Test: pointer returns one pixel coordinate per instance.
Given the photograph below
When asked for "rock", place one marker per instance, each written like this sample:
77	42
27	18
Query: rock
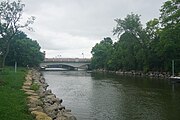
25	87
61	118
42	103
62	115
41	89
57	100
61	107
28	77
42	80
50	99
46	105
69	116
51	113
38	108
40	115
35	101
52	110
41	94
31	93
45	85
31	97
31	105
48	92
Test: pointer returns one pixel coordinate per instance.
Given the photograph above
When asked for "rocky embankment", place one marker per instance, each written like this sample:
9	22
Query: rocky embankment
138	73
42	103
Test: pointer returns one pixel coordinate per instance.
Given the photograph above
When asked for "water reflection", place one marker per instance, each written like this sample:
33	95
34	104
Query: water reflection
111	97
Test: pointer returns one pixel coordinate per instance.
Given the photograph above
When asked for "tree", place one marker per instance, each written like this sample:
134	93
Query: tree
132	25
138	48
10	15
152	29
102	53
169	45
24	51
128	53
170	13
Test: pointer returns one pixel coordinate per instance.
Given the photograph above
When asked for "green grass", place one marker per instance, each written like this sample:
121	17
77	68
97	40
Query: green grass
13	104
34	87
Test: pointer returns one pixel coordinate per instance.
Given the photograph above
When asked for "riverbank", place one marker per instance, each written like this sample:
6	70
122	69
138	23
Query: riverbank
13	104
43	104
151	74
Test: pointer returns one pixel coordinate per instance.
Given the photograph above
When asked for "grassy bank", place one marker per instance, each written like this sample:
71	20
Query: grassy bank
13	100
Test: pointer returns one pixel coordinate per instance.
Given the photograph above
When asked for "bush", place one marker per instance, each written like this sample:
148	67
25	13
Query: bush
34	87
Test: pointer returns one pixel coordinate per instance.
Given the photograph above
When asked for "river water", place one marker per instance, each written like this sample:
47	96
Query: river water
112	97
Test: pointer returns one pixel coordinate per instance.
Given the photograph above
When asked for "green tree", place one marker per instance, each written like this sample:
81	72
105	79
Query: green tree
10	15
169	45
132	26
138	48
153	34
127	53
24	51
170	13
102	53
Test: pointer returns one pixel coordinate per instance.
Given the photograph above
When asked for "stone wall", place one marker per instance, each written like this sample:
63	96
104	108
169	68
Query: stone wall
42	103
153	74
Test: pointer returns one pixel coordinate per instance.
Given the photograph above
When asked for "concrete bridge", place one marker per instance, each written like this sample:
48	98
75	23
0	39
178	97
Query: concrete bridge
65	63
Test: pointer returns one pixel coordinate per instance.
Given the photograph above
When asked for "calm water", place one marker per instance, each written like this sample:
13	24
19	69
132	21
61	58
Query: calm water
112	97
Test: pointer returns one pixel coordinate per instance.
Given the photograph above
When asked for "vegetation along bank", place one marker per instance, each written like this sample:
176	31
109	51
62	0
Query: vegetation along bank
142	48
13	104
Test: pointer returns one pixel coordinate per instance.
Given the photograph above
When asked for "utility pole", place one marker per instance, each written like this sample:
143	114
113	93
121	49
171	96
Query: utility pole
15	67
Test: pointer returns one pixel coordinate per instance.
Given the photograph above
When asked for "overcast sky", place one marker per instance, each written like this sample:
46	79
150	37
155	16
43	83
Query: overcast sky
68	28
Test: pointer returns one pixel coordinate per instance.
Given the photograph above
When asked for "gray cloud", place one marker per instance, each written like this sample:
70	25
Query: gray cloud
74	26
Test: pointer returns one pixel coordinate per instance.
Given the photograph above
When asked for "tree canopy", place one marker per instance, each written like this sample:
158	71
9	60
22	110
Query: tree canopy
24	51
145	49
10	16
15	46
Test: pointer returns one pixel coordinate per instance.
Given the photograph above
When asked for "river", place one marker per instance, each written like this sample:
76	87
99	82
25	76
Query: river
113	97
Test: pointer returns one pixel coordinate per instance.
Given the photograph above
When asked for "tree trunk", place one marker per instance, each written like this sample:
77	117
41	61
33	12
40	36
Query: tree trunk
5	55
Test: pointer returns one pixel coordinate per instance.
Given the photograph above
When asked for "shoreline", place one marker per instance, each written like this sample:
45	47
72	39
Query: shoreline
150	74
42	103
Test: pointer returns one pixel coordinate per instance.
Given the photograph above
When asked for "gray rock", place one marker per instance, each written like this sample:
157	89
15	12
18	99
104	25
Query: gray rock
38	108
48	92
52	110
63	115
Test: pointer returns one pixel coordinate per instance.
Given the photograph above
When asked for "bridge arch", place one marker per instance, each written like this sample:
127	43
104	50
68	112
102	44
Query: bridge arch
68	63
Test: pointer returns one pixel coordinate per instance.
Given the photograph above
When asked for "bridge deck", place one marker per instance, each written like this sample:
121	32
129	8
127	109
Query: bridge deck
67	60
68	63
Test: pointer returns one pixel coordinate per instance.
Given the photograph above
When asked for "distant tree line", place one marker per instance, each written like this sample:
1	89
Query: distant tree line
15	46
142	49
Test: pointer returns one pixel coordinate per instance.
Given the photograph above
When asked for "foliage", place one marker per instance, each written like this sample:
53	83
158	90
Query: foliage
24	51
34	87
130	24
102	53
147	49
10	16
170	13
